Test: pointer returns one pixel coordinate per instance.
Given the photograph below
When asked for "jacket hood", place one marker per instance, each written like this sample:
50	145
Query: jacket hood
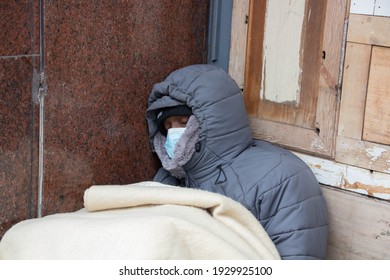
218	105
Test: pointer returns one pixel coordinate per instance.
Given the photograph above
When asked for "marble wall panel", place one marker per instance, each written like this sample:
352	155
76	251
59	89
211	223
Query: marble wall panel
16	137
18	57
18	27
102	59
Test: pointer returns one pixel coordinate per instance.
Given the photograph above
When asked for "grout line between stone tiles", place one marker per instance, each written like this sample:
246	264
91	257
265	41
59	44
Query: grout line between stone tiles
18	56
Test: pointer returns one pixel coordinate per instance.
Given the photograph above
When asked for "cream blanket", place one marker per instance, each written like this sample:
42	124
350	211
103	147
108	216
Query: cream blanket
147	220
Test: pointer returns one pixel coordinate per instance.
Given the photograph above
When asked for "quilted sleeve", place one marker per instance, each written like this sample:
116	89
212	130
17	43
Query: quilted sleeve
294	214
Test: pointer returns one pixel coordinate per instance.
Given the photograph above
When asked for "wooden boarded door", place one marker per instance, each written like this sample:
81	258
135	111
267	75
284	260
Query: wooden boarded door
293	62
364	128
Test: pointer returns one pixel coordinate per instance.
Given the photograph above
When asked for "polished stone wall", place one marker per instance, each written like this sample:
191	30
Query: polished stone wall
18	49
101	60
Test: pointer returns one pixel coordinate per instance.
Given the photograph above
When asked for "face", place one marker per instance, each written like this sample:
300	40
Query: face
175	122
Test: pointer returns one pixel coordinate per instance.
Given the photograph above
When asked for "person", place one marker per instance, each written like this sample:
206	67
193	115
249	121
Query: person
199	128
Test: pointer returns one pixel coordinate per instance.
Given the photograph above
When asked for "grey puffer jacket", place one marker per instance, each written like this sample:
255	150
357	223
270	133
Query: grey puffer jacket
277	187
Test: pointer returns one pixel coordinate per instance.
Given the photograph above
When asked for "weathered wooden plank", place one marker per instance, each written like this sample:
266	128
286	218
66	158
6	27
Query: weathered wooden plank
353	99
364	154
238	40
286	135
370	30
377	113
359	180
333	44
359	227
254	54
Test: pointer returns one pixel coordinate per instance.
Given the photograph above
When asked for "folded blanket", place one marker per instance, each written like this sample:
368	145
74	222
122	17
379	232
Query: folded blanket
146	220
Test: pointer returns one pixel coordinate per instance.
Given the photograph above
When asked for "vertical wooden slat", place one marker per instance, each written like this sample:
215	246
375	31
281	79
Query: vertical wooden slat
333	35
377	113
238	40
356	69
254	55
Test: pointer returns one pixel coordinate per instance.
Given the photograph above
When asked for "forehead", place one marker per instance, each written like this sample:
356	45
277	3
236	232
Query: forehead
176	119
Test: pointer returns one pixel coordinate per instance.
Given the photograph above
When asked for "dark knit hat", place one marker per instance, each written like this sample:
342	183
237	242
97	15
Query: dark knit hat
181	110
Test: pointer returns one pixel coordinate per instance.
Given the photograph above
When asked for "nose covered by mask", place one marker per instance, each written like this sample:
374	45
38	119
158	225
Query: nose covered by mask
173	136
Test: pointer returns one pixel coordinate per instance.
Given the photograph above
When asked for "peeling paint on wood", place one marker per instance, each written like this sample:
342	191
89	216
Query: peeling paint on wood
364	154
317	145
377	191
375	152
281	73
359	180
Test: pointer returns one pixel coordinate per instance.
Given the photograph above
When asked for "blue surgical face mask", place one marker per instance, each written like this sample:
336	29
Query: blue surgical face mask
173	136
